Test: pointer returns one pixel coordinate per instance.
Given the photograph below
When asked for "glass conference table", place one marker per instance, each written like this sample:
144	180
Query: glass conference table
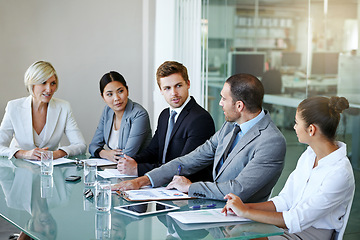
48	207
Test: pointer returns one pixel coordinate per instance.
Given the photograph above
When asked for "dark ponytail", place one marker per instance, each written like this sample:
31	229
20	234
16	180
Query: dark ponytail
324	112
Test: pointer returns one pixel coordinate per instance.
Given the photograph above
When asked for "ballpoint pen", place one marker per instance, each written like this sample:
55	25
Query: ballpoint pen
203	206
179	170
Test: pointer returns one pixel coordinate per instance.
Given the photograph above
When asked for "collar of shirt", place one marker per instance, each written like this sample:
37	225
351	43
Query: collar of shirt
332	158
246	126
178	110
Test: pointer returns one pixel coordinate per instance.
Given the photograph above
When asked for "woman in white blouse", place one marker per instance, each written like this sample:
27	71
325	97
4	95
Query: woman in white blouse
36	123
315	197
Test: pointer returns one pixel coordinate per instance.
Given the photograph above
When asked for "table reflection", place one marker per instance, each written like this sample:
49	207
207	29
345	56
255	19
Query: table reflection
27	190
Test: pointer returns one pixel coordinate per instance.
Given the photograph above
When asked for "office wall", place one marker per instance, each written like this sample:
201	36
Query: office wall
83	39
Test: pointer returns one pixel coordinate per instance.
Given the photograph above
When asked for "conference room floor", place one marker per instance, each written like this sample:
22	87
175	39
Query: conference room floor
294	149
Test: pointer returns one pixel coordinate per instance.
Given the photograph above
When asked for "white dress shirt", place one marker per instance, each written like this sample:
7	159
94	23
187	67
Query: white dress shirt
318	196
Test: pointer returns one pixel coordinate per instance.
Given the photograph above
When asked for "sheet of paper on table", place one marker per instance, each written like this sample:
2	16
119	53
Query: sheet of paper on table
148	194
55	162
100	161
205	216
112	173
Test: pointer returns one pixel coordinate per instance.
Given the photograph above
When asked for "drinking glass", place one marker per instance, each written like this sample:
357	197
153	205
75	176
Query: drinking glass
103	196
90	171
47	163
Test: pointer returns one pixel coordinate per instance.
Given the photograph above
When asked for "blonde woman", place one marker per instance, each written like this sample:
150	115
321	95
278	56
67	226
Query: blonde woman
37	123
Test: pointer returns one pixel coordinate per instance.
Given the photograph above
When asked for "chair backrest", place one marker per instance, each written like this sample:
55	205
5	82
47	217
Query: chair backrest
339	235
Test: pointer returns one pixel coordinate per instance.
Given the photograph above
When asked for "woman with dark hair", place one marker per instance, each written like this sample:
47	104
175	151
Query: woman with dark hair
124	125
316	195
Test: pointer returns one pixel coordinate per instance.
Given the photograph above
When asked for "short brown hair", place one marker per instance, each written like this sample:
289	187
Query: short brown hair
170	67
248	89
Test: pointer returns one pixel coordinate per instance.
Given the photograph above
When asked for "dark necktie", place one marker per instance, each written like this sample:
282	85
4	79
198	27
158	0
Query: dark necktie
228	147
168	133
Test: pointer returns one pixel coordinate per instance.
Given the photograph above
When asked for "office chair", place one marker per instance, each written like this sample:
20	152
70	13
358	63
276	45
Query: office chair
339	235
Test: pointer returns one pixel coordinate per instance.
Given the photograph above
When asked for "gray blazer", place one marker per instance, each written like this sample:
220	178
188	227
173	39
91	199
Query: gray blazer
135	130
250	171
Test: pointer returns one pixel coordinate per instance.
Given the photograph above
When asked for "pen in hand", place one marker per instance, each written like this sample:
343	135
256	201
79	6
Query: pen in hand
179	170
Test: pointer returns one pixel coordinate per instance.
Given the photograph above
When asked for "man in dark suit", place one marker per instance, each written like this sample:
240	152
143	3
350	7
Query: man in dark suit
190	126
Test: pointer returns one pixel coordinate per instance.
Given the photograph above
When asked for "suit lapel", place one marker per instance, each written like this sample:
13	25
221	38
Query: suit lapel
124	122
108	124
247	138
52	117
26	116
182	116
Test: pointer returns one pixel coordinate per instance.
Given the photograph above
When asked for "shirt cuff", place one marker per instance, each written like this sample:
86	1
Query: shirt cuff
152	184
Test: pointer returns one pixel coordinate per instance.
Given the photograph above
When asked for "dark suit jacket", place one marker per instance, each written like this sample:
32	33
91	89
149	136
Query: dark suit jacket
192	128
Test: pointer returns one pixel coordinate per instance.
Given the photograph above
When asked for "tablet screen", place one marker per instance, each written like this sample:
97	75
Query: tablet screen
146	208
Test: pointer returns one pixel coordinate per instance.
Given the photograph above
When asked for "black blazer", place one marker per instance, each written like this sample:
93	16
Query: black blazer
192	128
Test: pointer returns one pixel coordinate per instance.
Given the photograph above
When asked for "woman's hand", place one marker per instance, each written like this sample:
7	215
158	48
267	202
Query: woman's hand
234	205
112	155
34	154
127	165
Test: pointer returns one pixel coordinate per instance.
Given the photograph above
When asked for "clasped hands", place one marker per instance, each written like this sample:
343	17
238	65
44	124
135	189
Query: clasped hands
234	205
35	154
125	164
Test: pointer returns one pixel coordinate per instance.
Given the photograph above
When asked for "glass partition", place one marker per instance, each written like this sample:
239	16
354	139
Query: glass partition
297	49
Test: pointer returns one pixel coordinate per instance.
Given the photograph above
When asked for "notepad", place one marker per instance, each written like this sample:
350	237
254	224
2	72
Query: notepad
205	216
149	194
100	161
113	173
58	161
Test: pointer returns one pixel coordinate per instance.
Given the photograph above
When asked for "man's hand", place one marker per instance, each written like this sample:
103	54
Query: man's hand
127	165
180	183
133	184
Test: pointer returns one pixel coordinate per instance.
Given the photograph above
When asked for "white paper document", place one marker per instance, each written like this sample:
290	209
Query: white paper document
148	194
55	161
100	161
112	173
205	216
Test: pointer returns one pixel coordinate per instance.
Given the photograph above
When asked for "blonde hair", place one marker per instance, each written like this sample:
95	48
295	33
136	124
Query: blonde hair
38	73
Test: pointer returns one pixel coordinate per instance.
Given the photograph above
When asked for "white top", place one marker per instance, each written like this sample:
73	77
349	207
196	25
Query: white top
114	138
38	138
318	196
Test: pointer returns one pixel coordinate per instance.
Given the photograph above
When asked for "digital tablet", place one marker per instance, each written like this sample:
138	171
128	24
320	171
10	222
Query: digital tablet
146	208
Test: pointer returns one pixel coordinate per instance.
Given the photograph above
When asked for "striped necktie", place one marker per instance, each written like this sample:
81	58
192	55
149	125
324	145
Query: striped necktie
168	133
228	148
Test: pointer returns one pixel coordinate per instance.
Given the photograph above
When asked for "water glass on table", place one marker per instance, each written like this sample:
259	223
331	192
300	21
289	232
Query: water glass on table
47	163
90	171
103	196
